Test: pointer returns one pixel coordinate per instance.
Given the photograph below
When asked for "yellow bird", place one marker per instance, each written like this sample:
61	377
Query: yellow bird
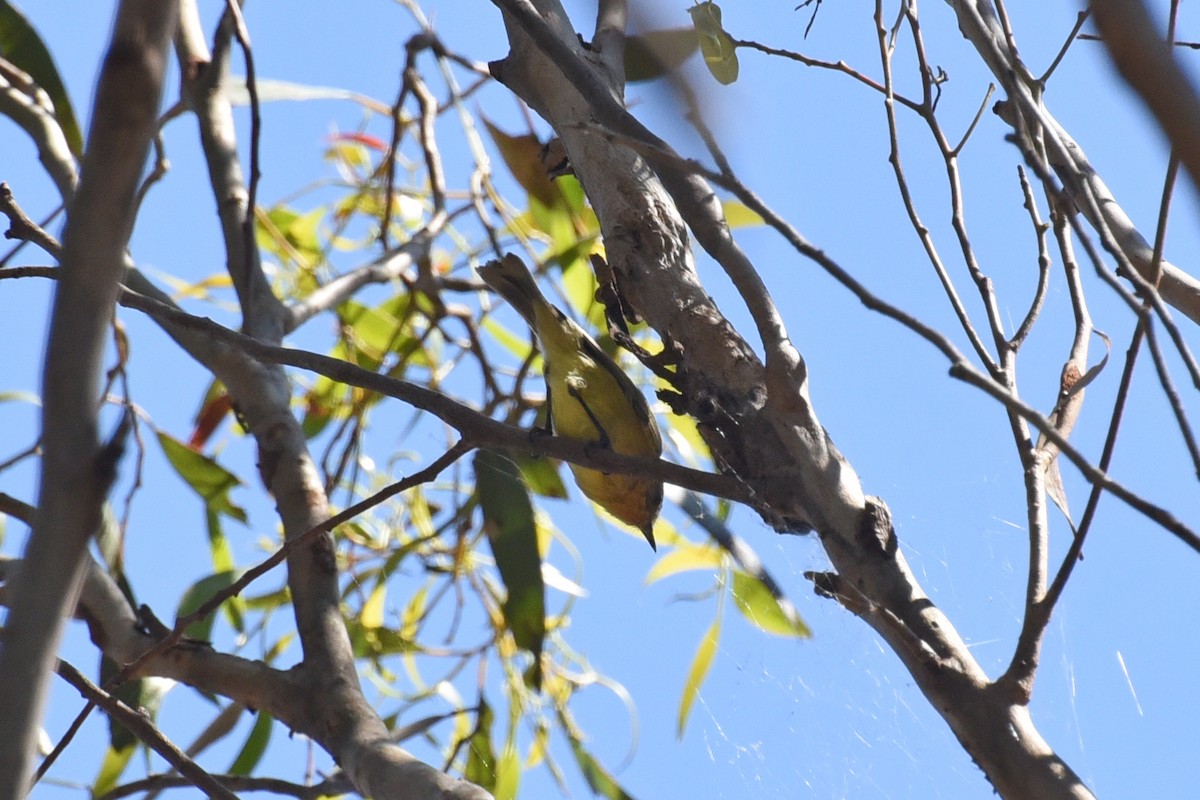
590	398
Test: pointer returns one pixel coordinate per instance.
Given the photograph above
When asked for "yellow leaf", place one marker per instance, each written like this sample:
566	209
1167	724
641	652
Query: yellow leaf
372	610
684	558
699	670
764	610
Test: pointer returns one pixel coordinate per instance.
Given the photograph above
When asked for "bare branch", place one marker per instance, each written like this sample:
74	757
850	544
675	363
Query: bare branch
838	66
150	786
202	73
1039	294
989	360
425	131
694	198
27	104
1094	474
22	227
233	12
387	267
137	723
1043	477
612	21
72	488
1063	155
482	431
1062	52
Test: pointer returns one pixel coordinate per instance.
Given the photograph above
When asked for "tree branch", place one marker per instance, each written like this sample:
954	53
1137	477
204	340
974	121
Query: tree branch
137	723
1063	155
71	487
643	236
27	104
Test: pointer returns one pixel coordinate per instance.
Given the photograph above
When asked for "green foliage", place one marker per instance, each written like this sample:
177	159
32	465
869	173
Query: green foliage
21	46
598	778
717	46
425	601
656	53
255	746
208	479
145	694
294	238
112	766
481	756
512	532
200	593
541	475
213	483
763	609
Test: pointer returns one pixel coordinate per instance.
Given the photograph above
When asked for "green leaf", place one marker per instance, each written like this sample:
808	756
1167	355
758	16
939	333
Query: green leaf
598	778
414	613
508	774
685	435
208	478
111	768
720	52
21	45
764	610
276	650
579	285
481	756
292	237
218	542
567	241
377	642
655	53
326	401
541	475
376	331
256	744
698	672
200	593
514	343
271	91
512	533
140	693
110	540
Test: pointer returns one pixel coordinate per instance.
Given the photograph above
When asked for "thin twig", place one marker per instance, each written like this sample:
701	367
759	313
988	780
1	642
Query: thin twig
981	351
957	149
1094	474
1043	468
137	723
388	266
1043	284
242	33
838	66
459	449
151	785
22	227
1173	399
1062	51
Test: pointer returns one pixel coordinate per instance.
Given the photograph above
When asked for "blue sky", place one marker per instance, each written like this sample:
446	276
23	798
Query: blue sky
834	716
